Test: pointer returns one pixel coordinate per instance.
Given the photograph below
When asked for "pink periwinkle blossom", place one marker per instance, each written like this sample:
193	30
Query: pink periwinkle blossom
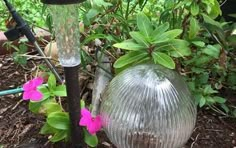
93	124
30	89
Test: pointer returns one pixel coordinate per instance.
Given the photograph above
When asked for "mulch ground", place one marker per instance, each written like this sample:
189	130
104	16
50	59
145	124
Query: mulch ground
19	127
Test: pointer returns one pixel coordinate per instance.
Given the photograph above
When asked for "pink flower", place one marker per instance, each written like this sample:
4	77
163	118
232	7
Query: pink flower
93	124
30	90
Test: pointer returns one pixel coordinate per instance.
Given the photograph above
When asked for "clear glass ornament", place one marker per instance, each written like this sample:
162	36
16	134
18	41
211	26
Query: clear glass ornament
148	106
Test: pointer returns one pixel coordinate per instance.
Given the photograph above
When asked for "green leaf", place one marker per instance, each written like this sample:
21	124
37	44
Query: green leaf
215	10
202	102
47	129
224	107
144	25
219	99
92	37
51	107
163	59
129	45
193	28
199	43
51	82
211	21
59	135
129	58
139	38
90	140
194	8
60	91
160	30
210	100
176	48
44	90
212	51
59	120
208	90
35	106
169	35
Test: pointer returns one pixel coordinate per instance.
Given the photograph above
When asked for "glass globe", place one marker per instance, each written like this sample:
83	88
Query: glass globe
148	106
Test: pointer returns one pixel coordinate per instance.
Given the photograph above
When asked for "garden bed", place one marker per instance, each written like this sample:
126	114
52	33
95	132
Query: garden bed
20	128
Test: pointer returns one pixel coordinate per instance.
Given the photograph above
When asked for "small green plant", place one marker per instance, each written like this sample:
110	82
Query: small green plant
149	43
45	99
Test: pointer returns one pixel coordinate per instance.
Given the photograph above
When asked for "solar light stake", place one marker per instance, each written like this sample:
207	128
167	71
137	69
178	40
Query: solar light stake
66	25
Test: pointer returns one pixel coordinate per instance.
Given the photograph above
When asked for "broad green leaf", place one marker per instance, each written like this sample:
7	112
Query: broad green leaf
59	135
129	45
176	47
193	28
44	90
59	120
160	30
208	90
144	25
47	129
51	107
211	21
194	8
52	82
163	59
60	91
215	10
224	107
35	106
169	35
209	100
219	99
139	38
212	51
90	140
202	102
199	43
129	58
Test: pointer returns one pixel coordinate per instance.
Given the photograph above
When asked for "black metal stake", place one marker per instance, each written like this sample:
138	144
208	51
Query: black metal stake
73	94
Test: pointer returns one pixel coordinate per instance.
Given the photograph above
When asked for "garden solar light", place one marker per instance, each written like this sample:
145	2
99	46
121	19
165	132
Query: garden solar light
22	28
66	24
148	106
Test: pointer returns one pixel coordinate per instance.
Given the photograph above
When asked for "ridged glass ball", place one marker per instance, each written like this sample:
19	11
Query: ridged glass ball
148	106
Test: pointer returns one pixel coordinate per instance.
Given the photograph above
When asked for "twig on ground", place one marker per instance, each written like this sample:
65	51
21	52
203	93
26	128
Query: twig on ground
195	140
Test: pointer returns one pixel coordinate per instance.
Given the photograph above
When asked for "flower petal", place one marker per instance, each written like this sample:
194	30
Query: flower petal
36	96
95	125
37	81
98	123
91	129
26	95
86	113
84	121
27	86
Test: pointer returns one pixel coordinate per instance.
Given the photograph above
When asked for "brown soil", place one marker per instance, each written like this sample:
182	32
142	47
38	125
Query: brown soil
19	127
